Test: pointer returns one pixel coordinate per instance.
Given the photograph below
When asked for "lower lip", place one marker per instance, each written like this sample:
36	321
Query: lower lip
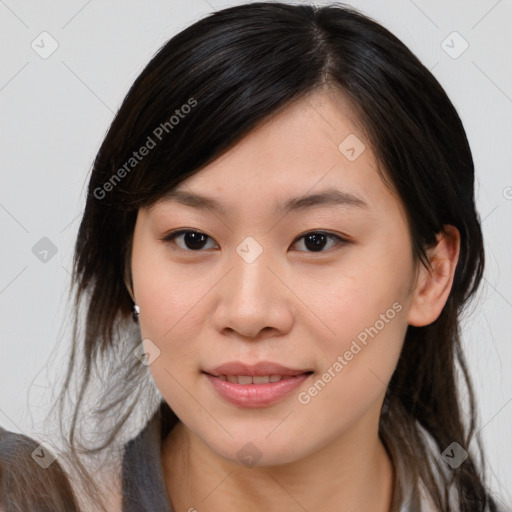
256	395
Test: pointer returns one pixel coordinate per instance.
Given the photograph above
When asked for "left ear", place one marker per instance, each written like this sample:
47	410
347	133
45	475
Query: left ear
433	285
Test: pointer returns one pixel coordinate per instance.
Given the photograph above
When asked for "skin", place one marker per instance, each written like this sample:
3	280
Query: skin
292	305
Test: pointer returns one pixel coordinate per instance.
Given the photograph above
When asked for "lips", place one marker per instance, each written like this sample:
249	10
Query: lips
259	385
256	395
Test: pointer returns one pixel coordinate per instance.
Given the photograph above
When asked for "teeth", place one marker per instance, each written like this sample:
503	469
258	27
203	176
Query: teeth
263	379
248	379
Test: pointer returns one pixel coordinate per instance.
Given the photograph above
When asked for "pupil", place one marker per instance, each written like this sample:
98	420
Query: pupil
317	239
193	240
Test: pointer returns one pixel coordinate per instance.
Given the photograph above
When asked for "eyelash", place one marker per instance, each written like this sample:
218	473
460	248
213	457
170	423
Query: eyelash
170	237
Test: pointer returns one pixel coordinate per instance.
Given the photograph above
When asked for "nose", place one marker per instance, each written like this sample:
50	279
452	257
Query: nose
253	300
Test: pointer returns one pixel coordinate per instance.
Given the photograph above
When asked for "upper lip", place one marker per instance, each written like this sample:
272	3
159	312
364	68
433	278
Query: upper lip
258	369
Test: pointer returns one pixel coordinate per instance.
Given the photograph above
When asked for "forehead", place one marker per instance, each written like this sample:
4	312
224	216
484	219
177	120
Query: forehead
314	146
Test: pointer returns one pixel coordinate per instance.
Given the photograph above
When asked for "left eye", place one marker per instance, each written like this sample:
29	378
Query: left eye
317	240
195	240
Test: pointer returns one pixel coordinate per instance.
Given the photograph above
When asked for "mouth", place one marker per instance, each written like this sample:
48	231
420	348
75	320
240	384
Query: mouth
261	369
245	380
255	386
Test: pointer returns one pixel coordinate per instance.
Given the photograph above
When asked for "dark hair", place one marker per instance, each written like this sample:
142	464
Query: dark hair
204	90
26	485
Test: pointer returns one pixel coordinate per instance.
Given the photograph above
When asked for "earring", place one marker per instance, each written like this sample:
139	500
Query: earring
135	313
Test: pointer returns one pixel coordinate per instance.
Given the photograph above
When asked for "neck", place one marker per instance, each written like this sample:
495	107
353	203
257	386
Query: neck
350	474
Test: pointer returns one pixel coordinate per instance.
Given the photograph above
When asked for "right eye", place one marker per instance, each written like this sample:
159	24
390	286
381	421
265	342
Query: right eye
192	241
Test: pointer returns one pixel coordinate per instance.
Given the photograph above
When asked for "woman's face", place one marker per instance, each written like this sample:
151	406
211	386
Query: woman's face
256	288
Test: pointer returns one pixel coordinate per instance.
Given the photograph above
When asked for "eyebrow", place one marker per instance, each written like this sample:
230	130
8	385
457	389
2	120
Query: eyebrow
329	197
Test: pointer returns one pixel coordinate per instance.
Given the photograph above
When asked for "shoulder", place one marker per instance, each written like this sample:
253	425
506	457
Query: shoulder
31	474
143	484
442	473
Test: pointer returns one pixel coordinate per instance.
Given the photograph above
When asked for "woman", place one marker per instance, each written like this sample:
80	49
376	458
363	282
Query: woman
284	204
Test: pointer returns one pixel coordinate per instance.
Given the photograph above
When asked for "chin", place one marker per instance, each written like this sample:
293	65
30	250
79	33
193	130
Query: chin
258	450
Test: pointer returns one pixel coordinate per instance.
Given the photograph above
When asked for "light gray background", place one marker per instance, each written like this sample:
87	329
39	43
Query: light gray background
55	112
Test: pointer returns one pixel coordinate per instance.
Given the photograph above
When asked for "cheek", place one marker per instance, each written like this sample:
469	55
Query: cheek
369	284
168	297
367	316
358	361
170	316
